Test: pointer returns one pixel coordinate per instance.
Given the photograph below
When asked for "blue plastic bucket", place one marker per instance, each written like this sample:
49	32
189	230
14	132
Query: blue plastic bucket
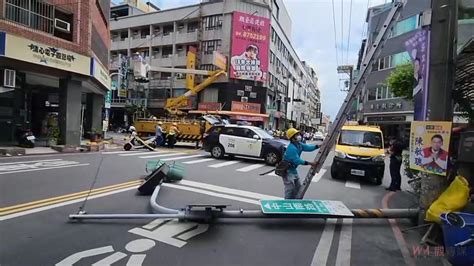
459	255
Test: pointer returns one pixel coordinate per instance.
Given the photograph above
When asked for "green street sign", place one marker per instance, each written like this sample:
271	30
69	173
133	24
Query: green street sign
108	97
319	207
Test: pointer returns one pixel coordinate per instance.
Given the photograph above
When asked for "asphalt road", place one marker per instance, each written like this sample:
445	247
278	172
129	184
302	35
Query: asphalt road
37	193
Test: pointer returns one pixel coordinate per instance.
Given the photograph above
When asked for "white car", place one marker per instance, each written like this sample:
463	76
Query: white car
246	141
318	138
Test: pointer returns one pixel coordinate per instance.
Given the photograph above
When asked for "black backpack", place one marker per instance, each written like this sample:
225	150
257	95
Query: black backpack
282	168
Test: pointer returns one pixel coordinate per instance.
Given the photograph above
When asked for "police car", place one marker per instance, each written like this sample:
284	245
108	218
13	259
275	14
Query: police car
246	141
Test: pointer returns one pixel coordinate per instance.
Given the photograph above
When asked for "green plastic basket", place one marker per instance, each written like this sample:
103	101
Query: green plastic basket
175	173
153	165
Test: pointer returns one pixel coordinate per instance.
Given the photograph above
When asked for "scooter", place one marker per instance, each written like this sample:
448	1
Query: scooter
26	139
135	142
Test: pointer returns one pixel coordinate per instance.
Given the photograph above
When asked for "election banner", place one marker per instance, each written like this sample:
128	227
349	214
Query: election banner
418	48
250	44
429	146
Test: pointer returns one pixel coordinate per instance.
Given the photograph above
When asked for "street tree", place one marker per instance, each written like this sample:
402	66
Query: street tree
401	81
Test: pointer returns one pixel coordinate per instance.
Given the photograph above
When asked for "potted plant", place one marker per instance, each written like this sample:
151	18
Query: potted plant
53	135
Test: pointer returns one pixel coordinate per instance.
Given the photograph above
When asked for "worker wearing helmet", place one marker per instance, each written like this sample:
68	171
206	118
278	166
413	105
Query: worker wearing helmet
159	134
293	156
172	135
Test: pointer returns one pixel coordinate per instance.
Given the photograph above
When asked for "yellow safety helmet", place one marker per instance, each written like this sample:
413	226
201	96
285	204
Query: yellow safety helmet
160	123
291	132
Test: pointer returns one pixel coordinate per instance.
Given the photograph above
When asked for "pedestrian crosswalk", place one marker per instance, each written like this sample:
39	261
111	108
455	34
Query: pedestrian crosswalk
203	160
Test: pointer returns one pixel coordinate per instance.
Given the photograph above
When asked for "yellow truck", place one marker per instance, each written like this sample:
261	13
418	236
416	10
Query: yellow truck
190	129
359	152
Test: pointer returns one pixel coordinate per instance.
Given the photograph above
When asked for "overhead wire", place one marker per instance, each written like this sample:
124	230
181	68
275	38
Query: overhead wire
342	31
349	34
335	31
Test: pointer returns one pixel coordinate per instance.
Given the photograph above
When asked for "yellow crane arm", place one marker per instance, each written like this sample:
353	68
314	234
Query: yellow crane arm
181	101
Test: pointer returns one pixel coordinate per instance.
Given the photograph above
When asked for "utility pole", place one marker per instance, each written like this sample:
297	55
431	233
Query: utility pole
443	43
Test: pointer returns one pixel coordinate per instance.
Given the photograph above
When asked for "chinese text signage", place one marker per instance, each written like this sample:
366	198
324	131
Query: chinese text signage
418	48
429	146
320	207
250	44
209	106
246	107
42	54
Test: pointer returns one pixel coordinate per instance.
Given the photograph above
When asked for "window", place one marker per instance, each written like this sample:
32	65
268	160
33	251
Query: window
273	34
371	96
209	46
215	130
167	30
192	26
32	13
400	58
406	25
360	138
272	57
212	22
380	93
277	9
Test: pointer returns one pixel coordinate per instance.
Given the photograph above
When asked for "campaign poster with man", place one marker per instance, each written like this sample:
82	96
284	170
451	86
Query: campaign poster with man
429	146
250	44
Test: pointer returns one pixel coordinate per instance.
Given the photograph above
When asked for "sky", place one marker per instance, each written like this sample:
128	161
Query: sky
313	39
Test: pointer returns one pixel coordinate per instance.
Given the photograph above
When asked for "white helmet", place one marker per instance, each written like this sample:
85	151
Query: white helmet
132	129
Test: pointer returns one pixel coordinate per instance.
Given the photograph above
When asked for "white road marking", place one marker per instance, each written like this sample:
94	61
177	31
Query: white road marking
23	213
182	157
136	260
200	161
169	232
144	153
162	155
250	167
272	174
324	246
84	254
319	175
110	259
51	160
343	257
223	164
231	191
40	169
352	184
118	152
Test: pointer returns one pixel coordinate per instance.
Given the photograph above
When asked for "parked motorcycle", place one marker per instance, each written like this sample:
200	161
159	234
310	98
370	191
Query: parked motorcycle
26	139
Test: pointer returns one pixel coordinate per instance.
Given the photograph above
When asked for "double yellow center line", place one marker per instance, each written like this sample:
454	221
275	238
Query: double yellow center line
60	199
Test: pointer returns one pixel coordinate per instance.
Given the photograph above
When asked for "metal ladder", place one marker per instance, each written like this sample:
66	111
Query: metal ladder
356	88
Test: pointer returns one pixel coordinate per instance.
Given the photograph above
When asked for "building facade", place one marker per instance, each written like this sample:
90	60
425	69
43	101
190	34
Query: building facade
264	89
54	64
378	105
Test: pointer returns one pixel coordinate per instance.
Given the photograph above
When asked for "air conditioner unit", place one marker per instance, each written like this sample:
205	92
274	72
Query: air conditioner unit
9	77
244	99
62	25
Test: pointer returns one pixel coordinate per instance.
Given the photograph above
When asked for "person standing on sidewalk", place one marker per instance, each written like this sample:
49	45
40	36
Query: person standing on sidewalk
172	135
293	156
395	150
